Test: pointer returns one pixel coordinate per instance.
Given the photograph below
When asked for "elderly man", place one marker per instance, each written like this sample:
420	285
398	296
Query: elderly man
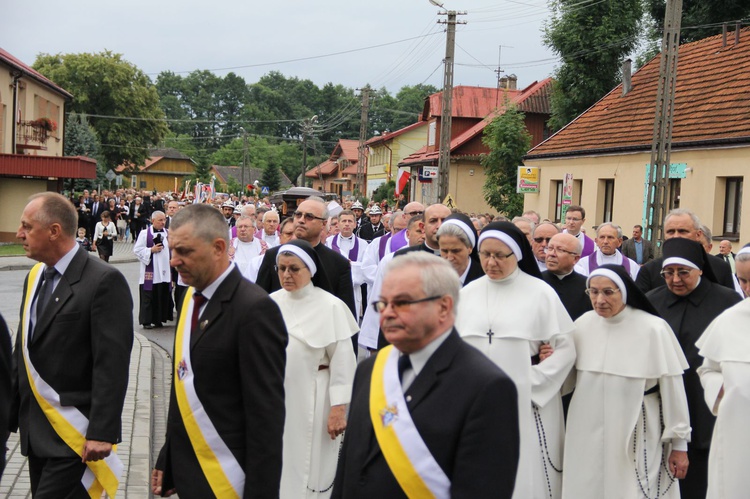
433	219
352	248
155	277
743	270
726	254
139	214
472	448
540	238
172	208
309	219
333	226
638	249
689	302
563	252
383	245
226	410
72	357
269	234
608	240
246	248
682	222
373	228
532	215
286	231
574	219
526	225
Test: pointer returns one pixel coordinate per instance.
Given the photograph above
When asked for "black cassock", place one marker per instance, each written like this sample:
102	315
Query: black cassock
649	276
572	292
688	317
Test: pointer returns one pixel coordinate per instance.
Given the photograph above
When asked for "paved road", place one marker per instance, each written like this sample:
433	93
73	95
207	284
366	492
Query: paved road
147	399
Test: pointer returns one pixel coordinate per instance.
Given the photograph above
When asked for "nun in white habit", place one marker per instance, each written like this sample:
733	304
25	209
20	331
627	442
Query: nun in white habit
320	367
517	320
725	376
628	422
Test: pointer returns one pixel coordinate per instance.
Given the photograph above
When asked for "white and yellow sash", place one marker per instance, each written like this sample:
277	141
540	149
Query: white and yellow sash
68	422
408	457
224	474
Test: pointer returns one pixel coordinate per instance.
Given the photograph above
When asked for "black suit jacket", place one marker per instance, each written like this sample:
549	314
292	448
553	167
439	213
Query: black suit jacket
649	277
466	411
238	362
6	397
338	274
418	247
628	249
368	233
688	317
81	347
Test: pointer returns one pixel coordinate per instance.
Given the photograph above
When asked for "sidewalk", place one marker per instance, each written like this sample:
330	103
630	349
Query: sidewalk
135	449
123	253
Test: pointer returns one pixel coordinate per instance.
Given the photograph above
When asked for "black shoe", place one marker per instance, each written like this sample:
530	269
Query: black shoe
148	326
158	324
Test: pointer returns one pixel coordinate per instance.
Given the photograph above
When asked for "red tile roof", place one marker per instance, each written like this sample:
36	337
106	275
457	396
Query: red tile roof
327	167
712	105
532	99
9	59
17	165
346	148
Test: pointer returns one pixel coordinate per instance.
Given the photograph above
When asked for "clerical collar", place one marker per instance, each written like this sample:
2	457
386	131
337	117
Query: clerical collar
562	276
436	251
341	236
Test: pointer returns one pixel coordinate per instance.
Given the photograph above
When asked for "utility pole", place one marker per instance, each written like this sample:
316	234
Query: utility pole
661	146
244	159
307	130
447	113
361	156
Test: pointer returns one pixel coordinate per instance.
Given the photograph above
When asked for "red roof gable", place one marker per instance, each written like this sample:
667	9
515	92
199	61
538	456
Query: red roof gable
347	149
712	104
390	136
327	167
9	59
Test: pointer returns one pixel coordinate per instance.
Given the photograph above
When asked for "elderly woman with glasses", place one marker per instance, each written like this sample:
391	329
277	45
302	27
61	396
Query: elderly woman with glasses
320	369
517	320
628	424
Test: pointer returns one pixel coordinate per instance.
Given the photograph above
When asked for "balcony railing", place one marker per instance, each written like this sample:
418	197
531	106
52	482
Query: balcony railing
31	135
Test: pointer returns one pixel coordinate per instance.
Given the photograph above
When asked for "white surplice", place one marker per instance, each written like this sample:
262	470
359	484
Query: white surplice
725	346
522	312
618	439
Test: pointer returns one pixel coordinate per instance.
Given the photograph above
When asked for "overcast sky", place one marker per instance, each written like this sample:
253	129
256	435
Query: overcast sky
254	38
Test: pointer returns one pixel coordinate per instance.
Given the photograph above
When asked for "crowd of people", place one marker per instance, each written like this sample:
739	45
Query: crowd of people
350	351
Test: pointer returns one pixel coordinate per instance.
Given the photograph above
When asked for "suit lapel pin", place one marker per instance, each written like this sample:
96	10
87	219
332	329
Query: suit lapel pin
203	325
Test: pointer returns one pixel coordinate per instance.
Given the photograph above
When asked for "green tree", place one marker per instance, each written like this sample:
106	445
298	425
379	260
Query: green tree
702	18
384	191
81	140
592	40
271	177
508	141
105	84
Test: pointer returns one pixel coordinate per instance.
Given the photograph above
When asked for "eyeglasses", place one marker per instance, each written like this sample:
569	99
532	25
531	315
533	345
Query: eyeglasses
669	274
486	255
309	217
569	219
606	292
555	249
415	213
292	270
399	305
540	240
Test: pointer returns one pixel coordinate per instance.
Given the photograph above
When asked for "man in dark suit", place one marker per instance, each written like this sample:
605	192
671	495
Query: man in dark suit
309	219
373	227
5	389
464	409
689	302
97	208
636	246
235	358
433	219
77	326
726	254
563	252
681	222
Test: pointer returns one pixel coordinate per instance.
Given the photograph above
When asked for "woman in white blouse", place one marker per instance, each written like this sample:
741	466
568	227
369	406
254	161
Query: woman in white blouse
104	233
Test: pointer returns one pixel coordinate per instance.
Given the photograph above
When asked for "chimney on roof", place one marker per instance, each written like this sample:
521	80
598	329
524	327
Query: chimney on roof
509	82
724	35
737	28
627	84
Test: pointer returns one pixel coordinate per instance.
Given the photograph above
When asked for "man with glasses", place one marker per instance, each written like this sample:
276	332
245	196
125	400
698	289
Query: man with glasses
683	223
563	252
540	238
472	448
608	240
689	302
309	219
574	218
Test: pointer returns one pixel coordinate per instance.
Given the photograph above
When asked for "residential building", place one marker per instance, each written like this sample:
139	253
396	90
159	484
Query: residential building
31	141
473	108
252	175
607	149
165	170
389	149
337	174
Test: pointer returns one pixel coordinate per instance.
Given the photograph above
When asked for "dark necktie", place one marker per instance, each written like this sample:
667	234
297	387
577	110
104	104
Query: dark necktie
45	292
404	363
726	258
198	301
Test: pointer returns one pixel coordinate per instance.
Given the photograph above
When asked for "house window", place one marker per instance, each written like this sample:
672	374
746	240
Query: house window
732	206
143	184
2	128
431	132
558	189
675	184
609	198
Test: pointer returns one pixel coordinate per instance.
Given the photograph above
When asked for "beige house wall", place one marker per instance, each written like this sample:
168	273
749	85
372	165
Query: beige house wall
14	193
34	101
465	181
382	163
702	190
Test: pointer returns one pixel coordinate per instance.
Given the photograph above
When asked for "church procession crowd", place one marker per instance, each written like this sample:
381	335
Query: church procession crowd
352	351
